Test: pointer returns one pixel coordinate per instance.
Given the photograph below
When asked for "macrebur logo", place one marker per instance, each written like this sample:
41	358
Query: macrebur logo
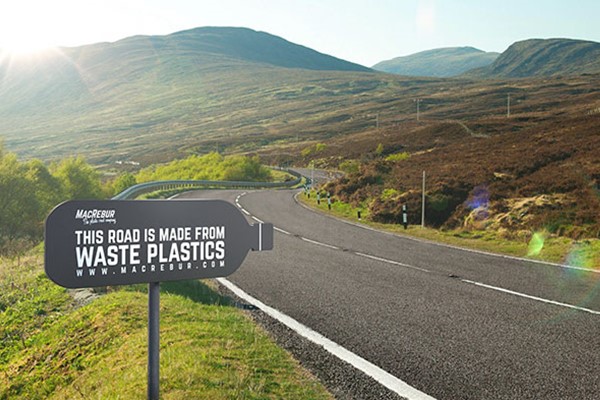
96	216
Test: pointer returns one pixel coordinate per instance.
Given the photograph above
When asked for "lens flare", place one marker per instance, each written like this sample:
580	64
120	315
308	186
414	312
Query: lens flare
480	200
582	256
536	244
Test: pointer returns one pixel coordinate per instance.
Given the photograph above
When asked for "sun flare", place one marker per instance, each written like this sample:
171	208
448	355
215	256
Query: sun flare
24	46
22	31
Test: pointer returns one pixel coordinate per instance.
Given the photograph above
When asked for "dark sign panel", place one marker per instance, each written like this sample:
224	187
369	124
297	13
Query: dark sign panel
112	242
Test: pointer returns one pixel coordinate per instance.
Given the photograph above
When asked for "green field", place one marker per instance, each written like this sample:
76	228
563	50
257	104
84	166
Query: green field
57	348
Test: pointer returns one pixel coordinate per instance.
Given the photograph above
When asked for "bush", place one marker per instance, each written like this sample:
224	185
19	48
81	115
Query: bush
350	166
29	191
398	157
212	166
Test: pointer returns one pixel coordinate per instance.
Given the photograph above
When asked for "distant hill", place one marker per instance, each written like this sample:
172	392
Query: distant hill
119	100
544	57
68	74
445	62
72	72
249	45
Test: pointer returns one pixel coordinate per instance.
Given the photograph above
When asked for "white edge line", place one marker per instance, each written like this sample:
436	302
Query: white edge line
487	253
281	230
527	296
319	243
386	379
244	211
257	220
385	260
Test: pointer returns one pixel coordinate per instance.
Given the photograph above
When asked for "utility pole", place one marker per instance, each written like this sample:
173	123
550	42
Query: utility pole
423	203
508	106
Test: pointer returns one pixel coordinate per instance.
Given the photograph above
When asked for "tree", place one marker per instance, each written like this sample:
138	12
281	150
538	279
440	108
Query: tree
19	207
123	182
48	189
78	178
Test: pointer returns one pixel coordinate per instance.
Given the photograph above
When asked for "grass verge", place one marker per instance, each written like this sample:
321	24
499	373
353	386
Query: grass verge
540	246
209	349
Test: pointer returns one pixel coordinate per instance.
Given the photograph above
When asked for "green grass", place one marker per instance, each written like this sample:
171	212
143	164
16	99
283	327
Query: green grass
209	349
549	248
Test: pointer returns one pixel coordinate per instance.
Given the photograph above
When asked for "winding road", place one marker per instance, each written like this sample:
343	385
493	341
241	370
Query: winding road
449	323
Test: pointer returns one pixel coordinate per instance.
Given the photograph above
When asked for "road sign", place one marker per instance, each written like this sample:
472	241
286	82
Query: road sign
112	242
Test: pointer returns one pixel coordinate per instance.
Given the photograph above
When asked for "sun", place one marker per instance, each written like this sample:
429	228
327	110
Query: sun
24	46
23	31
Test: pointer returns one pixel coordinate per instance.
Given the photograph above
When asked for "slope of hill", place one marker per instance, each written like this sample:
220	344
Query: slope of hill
443	62
111	100
544	57
535	170
152	99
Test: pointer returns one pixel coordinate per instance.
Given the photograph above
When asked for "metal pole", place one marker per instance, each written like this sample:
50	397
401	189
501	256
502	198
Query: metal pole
153	339
423	204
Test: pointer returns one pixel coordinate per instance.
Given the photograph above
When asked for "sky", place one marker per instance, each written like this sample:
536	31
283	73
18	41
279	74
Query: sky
365	32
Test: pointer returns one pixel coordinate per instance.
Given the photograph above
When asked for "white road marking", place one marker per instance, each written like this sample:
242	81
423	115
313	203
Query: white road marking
486	253
257	220
527	296
507	291
319	243
388	380
281	230
385	260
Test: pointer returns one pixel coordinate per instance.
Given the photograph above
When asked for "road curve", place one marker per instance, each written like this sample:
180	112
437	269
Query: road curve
451	323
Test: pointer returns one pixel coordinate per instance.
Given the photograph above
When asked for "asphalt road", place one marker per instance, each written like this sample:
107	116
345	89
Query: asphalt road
421	312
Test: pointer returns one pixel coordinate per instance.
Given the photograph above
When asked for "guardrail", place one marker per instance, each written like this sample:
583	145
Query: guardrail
146	187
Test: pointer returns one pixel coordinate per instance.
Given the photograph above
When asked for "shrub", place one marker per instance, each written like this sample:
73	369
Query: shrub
398	157
350	166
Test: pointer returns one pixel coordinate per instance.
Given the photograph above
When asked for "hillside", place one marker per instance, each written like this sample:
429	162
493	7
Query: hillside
544	57
443	62
151	94
153	99
536	170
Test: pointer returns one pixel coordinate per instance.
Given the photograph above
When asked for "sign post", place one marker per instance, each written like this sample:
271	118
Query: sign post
153	340
123	242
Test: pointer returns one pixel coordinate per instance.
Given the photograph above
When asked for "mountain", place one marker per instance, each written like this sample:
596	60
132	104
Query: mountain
151	99
122	99
249	45
74	71
544	57
443	62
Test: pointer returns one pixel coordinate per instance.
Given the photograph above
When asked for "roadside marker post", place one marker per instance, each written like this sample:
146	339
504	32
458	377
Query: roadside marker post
423	203
404	216
124	242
